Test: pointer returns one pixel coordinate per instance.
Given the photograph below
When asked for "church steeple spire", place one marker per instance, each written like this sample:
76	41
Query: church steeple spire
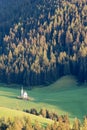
22	91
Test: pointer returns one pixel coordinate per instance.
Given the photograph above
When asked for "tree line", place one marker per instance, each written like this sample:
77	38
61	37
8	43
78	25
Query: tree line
25	124
41	48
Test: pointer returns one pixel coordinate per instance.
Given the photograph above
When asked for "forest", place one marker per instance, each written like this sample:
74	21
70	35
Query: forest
40	41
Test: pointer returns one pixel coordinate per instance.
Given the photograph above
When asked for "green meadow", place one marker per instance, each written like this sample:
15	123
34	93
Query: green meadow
64	96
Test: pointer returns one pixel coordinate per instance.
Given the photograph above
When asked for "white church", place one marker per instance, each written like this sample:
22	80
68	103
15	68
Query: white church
24	94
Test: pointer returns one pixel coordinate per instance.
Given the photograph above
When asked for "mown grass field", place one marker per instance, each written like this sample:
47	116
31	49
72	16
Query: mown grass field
63	97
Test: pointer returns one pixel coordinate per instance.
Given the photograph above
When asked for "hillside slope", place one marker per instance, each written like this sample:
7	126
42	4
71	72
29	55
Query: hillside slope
71	99
9	113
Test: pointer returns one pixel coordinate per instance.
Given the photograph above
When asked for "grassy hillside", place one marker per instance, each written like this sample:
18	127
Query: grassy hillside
9	113
63	97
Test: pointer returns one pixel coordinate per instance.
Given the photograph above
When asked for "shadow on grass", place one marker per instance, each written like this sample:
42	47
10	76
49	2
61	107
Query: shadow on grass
73	103
8	96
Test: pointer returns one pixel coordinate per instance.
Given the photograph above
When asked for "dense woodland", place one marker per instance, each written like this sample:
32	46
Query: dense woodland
42	40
